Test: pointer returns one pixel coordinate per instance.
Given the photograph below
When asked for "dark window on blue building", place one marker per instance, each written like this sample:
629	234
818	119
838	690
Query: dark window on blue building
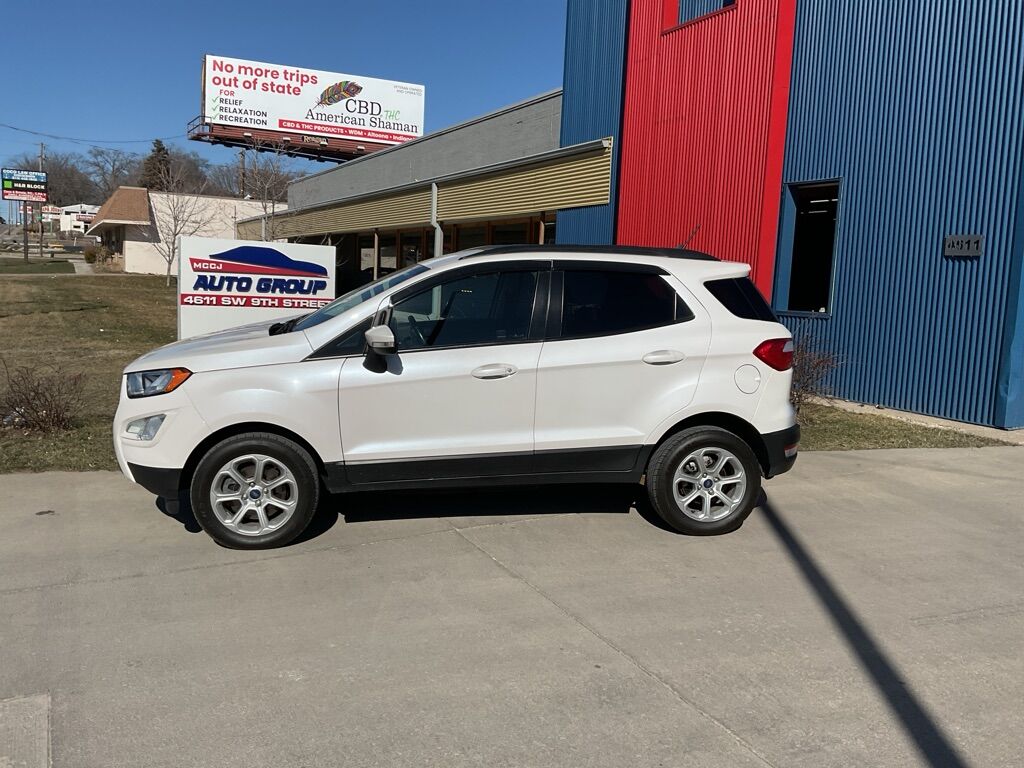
694	9
814	209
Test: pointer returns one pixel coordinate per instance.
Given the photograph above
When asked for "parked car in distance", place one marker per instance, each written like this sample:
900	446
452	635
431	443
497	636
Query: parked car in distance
499	365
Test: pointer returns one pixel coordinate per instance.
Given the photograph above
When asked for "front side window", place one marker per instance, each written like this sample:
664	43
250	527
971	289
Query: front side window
357	296
491	308
601	303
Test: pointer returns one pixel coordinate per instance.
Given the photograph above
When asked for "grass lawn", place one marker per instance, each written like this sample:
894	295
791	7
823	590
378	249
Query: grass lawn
97	325
18	266
824	428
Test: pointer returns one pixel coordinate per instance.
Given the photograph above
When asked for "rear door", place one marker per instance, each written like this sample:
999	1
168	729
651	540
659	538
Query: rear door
625	347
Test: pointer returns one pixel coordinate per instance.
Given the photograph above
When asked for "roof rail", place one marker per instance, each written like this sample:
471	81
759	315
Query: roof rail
622	250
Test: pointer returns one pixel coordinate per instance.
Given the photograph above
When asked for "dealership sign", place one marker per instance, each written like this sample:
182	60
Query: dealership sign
227	283
28	186
257	96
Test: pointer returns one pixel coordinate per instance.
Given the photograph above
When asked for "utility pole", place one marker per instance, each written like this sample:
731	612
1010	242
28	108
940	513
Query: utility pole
42	148
241	173
24	226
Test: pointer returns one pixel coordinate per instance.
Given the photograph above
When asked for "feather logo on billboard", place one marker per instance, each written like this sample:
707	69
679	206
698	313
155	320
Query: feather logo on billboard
346	89
226	272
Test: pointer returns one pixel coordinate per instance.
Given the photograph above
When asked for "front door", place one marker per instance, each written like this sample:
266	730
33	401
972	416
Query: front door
457	399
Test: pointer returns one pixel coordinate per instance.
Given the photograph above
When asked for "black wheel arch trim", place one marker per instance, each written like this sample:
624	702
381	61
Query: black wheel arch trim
768	448
242	428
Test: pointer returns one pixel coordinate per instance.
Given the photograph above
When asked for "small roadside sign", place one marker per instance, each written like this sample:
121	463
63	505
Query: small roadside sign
26	186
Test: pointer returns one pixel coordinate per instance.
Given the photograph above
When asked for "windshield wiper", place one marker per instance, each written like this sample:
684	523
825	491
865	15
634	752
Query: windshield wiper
286	326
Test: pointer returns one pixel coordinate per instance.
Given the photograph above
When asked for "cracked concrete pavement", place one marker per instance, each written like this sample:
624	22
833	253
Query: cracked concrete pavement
870	613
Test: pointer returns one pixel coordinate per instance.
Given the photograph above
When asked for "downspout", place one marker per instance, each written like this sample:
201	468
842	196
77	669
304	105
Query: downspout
438	231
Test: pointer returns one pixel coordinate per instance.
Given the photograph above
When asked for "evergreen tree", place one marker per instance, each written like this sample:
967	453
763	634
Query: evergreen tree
155	167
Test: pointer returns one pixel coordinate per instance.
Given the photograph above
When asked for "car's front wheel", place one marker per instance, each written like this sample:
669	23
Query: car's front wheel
703	480
255	491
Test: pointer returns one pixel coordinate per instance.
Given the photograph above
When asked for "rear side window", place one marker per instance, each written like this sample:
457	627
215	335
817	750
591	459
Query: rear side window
601	303
741	297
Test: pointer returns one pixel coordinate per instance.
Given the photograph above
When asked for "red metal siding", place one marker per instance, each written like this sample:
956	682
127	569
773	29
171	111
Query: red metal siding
704	129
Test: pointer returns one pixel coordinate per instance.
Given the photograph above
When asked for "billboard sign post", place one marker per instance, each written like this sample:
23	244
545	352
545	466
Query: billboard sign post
226	283
256	96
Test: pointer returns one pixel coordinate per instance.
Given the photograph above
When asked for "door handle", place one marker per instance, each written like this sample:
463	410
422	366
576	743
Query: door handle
494	371
664	357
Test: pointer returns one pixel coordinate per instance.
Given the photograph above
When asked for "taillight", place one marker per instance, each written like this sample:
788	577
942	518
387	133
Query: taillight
778	353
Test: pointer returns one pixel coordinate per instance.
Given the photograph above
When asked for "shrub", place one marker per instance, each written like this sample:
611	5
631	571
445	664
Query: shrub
812	365
97	254
40	398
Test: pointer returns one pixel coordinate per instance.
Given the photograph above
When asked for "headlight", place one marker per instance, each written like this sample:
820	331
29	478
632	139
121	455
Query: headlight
148	383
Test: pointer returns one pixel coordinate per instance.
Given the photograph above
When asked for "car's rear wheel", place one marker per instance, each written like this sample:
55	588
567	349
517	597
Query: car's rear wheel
255	491
703	481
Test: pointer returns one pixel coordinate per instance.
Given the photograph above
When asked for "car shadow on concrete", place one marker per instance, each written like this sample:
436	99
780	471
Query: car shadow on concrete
488	502
179	510
931	742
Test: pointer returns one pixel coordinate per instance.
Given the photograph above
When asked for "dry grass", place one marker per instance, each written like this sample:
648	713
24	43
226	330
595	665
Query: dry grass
824	428
18	266
91	325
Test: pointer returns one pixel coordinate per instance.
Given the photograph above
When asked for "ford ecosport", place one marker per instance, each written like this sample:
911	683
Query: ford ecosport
499	365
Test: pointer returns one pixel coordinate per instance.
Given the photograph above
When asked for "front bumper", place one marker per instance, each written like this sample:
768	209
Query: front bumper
157	464
157	480
781	450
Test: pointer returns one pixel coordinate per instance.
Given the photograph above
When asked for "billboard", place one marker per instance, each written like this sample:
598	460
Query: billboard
272	97
227	283
29	186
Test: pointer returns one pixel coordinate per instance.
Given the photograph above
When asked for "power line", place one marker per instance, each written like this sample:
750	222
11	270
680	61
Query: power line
89	142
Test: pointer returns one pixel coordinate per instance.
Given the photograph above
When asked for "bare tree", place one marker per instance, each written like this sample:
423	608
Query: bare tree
111	168
68	182
267	175
179	211
224	180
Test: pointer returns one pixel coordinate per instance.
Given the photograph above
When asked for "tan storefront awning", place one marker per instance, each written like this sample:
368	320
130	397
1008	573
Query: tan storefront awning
571	182
569	177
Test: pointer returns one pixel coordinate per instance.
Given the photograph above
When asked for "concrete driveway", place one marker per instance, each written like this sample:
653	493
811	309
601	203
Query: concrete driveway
871	613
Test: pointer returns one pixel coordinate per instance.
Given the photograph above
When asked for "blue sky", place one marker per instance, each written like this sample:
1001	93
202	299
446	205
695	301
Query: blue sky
112	69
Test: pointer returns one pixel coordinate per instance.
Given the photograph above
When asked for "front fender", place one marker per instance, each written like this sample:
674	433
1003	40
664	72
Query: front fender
299	397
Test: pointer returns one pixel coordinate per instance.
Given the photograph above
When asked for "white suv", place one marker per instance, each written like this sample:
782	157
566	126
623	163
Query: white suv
501	365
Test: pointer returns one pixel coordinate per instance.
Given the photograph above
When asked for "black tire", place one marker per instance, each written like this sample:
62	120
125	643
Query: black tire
291	456
667	459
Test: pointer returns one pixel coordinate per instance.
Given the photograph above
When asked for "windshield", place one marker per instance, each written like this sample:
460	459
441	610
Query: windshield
356	297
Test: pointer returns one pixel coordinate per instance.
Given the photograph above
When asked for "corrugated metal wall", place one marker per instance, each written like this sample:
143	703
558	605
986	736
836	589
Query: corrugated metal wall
577	180
594	79
703	130
917	108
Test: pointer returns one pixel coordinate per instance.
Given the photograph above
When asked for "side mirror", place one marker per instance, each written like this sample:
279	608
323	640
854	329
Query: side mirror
381	340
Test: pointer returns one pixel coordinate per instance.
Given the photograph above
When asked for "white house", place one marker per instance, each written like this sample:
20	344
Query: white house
138	224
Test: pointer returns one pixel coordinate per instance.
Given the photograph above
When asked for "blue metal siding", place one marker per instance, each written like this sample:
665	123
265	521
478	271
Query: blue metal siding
917	108
1010	398
592	91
